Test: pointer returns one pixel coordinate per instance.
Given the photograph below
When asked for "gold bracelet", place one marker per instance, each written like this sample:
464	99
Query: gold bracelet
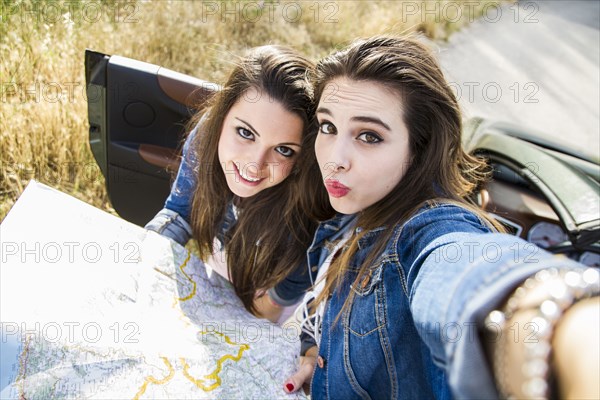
548	294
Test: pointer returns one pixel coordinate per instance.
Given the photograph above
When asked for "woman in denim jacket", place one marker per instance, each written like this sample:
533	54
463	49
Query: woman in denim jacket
409	272
237	186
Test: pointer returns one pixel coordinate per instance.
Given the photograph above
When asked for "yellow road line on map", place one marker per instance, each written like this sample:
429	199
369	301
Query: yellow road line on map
215	374
150	379
181	267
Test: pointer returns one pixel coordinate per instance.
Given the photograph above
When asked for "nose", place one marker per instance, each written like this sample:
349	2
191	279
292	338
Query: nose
259	161
339	159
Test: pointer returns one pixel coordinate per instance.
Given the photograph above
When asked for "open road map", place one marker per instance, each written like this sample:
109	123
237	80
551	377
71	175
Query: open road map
92	306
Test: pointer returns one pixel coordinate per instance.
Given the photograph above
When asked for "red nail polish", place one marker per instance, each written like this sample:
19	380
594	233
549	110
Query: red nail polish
289	387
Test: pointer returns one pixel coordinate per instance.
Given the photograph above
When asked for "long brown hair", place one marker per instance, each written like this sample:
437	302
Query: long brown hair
439	171
272	231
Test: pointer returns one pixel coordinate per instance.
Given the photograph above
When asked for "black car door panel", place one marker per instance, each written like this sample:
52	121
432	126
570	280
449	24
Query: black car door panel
137	115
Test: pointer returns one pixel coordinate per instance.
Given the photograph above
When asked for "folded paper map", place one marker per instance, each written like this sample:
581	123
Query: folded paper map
92	306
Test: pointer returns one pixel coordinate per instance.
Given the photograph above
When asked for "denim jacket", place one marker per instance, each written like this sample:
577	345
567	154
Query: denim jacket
412	329
173	221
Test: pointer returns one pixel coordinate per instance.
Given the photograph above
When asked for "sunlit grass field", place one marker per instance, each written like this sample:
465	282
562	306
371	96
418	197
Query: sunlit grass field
43	109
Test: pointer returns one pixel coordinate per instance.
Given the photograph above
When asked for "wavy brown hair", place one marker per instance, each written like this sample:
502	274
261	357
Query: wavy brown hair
272	231
439	171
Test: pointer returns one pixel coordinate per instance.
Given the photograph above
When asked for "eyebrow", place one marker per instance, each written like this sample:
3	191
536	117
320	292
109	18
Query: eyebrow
289	144
256	133
359	118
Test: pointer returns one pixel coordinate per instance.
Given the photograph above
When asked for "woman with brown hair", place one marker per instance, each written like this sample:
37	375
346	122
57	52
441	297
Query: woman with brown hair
241	164
411	275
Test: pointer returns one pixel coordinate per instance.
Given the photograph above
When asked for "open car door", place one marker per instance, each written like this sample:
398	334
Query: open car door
137	115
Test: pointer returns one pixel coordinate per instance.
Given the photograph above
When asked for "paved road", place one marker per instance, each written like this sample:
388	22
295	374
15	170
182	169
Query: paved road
535	64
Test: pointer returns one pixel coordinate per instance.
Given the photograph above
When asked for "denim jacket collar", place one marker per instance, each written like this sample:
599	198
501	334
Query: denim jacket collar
332	227
331	230
369	237
345	221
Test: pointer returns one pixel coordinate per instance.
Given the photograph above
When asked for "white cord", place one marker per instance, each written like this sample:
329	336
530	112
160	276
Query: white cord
311	323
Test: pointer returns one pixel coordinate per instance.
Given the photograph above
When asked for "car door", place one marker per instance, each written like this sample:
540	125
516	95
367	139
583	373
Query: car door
137	121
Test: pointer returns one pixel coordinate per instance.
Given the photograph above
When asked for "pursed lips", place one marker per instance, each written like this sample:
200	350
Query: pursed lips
335	188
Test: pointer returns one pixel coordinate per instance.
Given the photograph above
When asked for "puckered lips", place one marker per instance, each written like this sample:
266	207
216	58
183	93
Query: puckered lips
335	188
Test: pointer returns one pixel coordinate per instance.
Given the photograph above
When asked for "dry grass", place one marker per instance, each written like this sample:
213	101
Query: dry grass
43	114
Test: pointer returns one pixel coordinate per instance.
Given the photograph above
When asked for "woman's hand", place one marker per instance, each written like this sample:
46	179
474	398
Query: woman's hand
302	377
575	348
539	337
577	351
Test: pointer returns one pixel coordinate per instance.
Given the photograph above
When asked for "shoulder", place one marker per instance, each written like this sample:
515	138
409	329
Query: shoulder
447	217
432	221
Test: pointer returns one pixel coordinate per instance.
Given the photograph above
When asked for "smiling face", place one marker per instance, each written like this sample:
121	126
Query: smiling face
259	143
363	144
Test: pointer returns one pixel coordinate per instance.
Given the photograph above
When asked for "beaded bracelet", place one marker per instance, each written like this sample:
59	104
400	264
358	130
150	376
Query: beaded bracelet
548	293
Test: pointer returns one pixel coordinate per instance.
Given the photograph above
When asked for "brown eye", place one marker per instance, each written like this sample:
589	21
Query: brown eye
369	137
327	128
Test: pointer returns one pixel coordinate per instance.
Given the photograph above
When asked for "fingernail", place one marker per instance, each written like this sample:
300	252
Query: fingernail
289	387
